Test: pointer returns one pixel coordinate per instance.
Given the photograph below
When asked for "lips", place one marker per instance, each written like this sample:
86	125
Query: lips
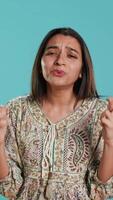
58	73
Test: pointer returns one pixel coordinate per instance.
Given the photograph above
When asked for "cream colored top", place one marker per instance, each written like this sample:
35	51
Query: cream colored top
50	160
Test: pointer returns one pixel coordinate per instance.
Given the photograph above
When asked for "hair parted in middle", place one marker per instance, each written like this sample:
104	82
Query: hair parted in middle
83	88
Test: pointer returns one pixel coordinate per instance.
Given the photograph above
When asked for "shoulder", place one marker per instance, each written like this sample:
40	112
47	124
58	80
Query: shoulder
98	107
97	104
23	105
101	105
18	103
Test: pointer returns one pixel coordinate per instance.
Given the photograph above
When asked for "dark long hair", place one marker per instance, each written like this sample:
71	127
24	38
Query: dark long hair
83	88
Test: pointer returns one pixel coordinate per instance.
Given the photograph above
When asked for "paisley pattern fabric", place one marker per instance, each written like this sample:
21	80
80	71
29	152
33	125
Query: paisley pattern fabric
52	161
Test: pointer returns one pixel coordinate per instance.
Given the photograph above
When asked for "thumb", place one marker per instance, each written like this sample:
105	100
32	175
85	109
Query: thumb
110	104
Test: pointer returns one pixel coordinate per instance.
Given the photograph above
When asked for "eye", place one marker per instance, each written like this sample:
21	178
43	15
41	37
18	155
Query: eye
72	56
50	53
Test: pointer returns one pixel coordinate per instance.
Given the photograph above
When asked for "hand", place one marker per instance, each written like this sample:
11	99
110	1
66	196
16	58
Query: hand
3	123
107	123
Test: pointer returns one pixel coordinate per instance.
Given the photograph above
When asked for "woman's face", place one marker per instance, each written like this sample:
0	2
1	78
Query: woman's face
62	61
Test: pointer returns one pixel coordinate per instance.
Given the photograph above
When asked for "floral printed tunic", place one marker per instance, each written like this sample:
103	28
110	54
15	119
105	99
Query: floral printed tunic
54	161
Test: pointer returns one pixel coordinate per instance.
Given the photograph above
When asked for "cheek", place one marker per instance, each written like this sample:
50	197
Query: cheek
42	64
45	69
76	69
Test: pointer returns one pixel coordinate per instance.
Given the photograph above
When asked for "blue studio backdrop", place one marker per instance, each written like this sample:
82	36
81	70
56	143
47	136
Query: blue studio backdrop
24	23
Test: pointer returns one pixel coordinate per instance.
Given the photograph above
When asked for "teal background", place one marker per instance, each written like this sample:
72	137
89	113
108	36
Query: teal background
24	23
2	198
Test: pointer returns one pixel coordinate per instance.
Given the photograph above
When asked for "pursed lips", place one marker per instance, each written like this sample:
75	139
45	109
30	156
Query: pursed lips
58	72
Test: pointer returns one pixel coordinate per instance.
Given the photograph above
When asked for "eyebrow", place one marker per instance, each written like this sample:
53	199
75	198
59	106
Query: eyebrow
51	47
70	48
67	47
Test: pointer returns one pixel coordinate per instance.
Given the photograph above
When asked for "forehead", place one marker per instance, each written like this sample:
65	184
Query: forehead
63	40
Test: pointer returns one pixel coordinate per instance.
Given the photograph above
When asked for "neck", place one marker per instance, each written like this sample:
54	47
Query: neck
60	97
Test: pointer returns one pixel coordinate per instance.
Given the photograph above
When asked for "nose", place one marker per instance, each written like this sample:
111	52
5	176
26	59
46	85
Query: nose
60	59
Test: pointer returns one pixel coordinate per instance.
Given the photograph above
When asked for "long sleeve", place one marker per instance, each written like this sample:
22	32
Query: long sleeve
97	189
10	185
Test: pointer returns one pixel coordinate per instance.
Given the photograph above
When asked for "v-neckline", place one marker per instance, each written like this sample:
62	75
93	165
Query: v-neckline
77	113
63	118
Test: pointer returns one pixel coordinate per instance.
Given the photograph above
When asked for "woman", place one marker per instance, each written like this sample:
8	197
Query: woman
59	140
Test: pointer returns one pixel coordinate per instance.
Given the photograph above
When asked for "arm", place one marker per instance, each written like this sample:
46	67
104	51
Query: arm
4	169
100	180
11	161
3	129
105	171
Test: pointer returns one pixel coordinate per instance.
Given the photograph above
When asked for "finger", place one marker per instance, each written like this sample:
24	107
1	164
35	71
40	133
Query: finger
3	123
108	114
106	122
3	111
3	108
110	104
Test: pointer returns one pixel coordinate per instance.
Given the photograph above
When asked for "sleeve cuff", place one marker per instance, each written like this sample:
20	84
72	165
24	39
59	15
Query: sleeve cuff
109	181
